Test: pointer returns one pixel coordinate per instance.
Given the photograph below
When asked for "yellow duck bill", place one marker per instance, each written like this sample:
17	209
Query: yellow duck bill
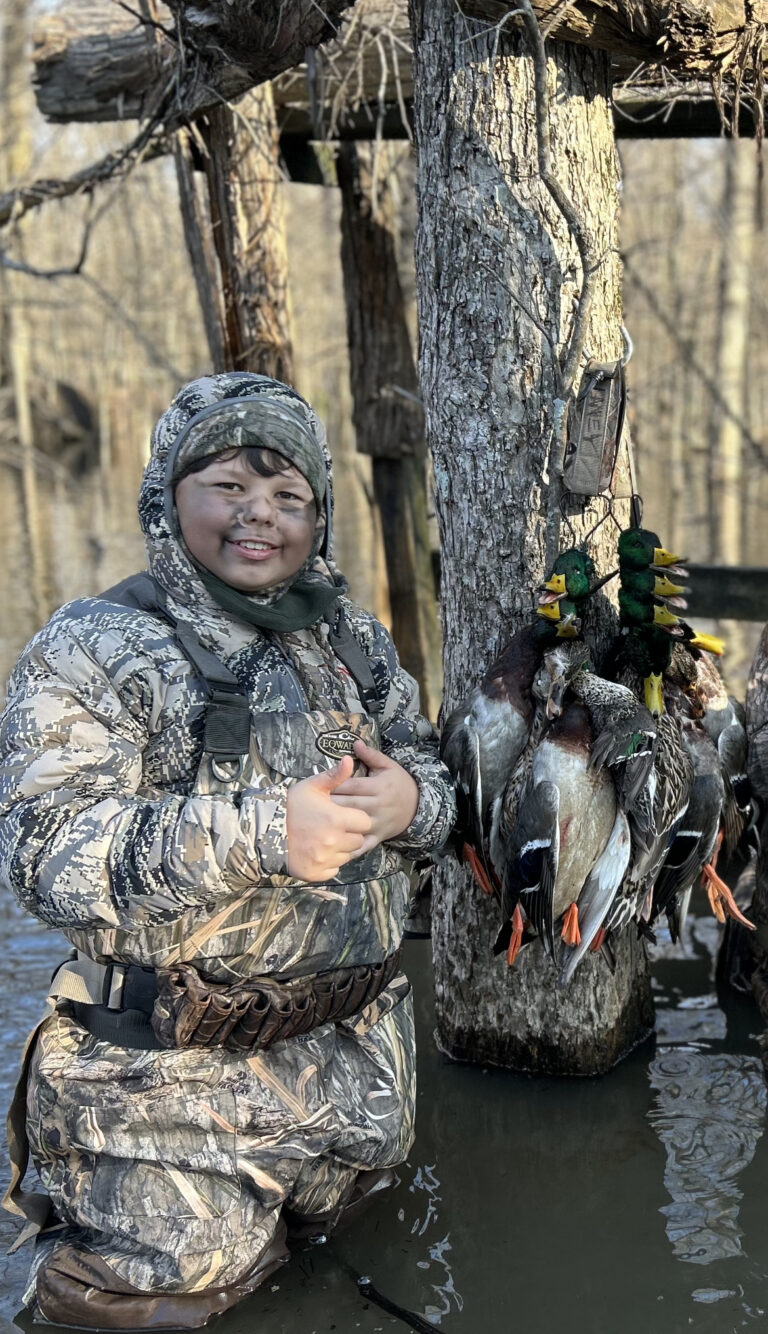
653	695
663	558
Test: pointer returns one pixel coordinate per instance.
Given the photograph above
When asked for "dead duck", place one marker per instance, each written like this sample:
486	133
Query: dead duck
624	732
692	855
567	819
723	718
484	737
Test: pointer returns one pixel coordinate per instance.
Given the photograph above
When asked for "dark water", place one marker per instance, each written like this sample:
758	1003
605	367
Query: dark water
632	1203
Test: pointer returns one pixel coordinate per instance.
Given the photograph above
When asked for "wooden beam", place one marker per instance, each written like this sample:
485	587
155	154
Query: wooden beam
651	113
690	37
96	61
728	592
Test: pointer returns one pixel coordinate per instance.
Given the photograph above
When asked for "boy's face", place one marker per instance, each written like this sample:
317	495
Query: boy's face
253	532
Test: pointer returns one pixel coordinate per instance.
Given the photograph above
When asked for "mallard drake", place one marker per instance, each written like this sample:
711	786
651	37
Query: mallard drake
567	818
572	576
484	737
640	549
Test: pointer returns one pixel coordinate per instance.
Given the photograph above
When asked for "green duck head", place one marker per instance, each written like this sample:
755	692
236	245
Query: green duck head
648	584
637	610
562	616
649	652
571	576
639	548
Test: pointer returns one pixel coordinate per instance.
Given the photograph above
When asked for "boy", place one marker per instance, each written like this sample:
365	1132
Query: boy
209	780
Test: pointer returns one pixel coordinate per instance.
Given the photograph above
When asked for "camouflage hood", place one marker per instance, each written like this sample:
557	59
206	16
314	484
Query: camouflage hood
211	415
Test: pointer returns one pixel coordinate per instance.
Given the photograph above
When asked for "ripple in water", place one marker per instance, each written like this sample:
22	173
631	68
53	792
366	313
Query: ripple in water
709	1115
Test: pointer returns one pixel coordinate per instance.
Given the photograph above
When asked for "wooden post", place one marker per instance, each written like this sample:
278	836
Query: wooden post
238	251
387	412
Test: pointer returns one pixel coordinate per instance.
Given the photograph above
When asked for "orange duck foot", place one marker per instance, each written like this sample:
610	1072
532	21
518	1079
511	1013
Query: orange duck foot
516	939
478	870
597	943
721	900
570	932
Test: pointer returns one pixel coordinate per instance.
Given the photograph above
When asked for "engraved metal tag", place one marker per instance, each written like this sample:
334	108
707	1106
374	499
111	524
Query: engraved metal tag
338	743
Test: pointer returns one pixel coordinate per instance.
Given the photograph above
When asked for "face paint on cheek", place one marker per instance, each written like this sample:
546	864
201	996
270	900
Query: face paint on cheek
301	513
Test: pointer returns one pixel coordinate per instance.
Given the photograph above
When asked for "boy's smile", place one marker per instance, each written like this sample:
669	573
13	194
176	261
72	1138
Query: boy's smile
250	531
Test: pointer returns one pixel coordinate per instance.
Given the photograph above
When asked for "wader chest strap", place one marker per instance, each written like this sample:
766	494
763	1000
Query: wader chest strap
227	716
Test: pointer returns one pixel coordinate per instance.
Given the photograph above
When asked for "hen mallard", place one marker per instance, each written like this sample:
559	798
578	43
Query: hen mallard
624	732
693	852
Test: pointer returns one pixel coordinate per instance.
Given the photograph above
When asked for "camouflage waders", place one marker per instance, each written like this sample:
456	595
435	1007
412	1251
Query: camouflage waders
172	1173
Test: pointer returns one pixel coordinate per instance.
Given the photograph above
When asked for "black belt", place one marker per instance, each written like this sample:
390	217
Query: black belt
123	1019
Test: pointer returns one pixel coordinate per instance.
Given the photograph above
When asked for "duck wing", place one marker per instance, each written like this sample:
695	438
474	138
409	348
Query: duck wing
598	894
625	741
694	834
627	744
532	858
460	751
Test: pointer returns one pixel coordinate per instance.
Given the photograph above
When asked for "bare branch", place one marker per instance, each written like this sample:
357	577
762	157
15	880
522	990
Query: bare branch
758	448
148	145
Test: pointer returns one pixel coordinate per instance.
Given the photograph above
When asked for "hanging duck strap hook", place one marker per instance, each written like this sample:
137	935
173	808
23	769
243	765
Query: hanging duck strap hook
565	500
635	499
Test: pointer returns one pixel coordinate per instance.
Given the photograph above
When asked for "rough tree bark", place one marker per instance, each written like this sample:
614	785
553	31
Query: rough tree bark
243	287
95	61
498	276
388	418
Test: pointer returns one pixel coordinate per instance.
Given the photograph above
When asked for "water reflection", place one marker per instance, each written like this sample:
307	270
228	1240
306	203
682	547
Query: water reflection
709	1114
439	1252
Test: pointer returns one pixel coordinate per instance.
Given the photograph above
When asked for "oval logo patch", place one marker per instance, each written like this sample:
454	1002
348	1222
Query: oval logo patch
337	743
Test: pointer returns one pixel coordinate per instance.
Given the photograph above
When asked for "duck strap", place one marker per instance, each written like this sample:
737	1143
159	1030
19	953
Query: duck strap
594	429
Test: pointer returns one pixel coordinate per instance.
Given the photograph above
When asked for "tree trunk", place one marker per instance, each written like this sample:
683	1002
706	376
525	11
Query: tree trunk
243	286
725	517
388	418
198	236
498	275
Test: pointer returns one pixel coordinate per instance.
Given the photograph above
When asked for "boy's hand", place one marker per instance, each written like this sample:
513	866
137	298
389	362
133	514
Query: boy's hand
387	794
322	836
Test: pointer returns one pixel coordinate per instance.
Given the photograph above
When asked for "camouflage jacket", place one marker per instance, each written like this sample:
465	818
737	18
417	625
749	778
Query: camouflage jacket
115	827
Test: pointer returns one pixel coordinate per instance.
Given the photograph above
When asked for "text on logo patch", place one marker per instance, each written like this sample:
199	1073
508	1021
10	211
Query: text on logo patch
338	743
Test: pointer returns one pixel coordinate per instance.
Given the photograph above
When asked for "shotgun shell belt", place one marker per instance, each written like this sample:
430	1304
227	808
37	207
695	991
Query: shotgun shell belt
177	1007
249	1016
